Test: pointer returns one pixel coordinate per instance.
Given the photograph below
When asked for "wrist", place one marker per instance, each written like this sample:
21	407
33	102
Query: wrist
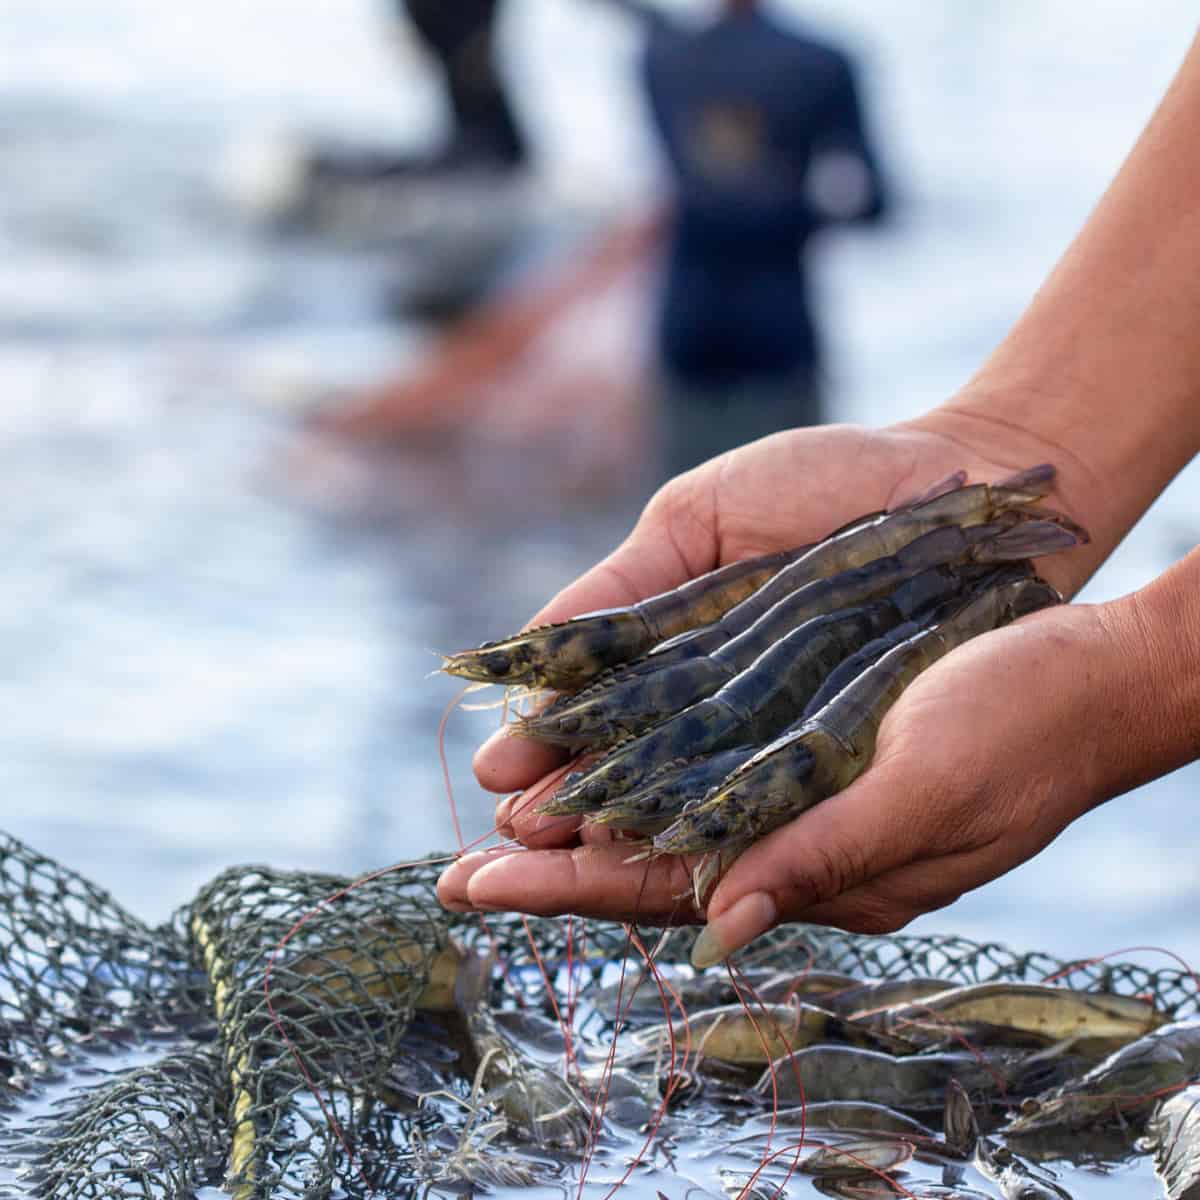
1093	699
1158	627
979	438
1117	439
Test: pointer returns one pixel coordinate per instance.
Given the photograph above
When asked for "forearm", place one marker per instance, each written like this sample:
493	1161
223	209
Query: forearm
1105	363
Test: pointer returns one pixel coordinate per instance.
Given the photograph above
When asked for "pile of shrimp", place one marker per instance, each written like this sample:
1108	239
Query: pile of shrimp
714	713
740	1079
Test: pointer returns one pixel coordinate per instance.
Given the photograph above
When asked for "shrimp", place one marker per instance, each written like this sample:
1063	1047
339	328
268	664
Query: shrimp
670	679
1122	1087
850	1116
862	999
652	806
388	965
640	999
1015	1180
569	654
542	1105
1173	1134
851	1159
735	1034
1054	1013
831	749
916	1083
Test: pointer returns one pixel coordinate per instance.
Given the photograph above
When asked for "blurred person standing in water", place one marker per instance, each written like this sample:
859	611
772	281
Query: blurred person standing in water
484	134
461	35
765	140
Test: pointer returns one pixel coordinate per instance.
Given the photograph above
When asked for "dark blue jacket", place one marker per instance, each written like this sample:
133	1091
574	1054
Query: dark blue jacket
746	110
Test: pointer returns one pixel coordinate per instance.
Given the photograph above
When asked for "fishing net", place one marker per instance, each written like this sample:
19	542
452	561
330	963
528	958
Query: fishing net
269	1039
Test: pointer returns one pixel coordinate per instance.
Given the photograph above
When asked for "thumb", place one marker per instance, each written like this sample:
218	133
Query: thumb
673	541
835	846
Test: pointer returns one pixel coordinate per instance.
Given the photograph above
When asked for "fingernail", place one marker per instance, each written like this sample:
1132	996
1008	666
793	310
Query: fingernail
475	859
455	907
544	821
504	811
737	927
482	896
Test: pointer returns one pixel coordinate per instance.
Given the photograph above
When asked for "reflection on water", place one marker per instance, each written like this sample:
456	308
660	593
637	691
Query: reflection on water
206	661
204	671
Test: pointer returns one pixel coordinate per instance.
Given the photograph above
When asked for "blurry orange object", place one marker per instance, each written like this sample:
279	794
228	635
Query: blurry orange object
557	365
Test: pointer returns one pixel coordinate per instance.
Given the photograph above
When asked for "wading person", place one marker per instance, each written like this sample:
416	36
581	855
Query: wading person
461	36
764	136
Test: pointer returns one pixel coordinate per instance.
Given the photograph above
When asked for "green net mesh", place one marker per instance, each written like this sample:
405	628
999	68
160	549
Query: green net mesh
156	1062
157	1130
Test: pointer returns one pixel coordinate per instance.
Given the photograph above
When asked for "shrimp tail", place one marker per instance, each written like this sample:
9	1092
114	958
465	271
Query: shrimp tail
943	486
1032	483
960	1130
1038	513
1030	539
472	981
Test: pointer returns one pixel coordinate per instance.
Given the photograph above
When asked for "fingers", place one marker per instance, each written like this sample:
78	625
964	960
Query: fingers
507	762
538	830
674	540
894	899
520	817
837	845
828	851
592	880
646	563
746	918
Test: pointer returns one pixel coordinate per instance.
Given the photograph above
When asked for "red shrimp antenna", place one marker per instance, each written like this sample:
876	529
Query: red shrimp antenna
734	973
1081	963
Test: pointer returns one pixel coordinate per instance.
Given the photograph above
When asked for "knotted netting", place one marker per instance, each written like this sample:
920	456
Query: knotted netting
272	1038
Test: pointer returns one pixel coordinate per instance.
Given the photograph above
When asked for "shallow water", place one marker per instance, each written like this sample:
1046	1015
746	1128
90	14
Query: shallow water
713	1138
207	663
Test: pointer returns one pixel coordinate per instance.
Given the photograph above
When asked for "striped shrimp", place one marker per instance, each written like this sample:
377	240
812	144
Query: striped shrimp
796	657
833	747
568	654
659	798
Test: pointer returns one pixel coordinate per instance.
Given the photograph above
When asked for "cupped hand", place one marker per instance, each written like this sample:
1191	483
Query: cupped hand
976	767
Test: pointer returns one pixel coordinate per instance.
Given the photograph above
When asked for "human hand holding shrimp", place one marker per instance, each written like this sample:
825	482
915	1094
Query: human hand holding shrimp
980	764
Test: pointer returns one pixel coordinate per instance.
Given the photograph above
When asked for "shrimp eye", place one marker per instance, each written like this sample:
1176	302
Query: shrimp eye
498	663
716	829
